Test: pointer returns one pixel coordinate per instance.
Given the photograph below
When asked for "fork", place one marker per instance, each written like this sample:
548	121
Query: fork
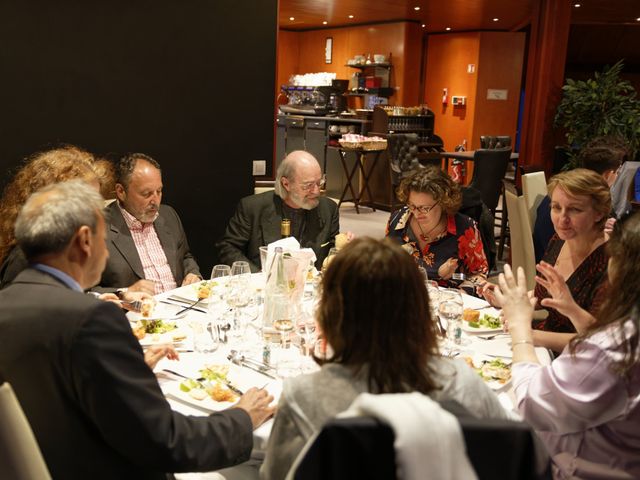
136	305
491	337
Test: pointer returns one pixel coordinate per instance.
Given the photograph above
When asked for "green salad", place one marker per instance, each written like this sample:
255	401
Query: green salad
487	321
157	326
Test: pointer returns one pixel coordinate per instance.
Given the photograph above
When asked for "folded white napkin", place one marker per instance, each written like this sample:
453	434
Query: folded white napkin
428	439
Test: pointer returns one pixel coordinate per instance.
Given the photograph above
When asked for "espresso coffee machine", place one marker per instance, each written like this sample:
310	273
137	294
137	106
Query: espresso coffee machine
322	100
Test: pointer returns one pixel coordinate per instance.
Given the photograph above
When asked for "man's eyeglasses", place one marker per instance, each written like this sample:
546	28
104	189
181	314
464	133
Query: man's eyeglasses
423	209
306	186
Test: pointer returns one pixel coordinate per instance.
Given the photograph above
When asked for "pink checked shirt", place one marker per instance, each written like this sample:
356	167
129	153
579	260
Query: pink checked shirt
154	261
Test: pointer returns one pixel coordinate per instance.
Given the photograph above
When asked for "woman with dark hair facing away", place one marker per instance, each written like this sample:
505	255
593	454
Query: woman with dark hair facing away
431	229
585	406
374	315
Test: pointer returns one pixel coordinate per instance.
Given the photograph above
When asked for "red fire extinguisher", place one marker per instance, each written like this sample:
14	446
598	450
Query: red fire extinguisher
458	167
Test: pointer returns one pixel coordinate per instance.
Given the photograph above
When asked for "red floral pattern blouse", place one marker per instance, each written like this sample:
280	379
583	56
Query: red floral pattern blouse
462	241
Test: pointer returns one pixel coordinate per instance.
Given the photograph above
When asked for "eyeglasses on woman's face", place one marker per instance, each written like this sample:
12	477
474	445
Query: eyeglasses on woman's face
423	209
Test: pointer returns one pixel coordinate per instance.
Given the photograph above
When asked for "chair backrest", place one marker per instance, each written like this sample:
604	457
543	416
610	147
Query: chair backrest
363	447
403	154
534	189
21	458
521	239
489	167
491	141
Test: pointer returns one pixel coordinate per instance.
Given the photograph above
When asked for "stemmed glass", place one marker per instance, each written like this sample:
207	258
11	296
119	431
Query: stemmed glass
450	309
238	295
220	276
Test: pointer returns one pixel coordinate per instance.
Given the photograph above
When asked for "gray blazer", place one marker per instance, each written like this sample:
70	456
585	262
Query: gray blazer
257	223
124	267
95	407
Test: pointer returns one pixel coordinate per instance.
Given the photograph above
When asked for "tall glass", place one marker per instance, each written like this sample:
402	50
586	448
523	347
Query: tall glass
450	309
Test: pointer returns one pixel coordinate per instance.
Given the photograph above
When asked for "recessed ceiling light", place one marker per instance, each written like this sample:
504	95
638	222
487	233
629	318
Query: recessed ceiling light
292	18
350	16
423	25
448	28
496	19
325	22
416	8
577	5
638	19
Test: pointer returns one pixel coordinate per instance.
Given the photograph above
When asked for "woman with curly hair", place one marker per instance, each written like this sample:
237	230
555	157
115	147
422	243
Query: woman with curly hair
585	406
430	228
39	170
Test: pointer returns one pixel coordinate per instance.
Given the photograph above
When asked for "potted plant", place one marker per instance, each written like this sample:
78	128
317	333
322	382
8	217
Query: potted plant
602	105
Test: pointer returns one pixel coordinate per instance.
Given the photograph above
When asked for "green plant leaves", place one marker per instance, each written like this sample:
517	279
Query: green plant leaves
602	105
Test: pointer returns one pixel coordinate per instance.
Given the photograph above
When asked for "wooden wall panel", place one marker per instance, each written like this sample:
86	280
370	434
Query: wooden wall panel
413	60
347	42
288	56
447	58
499	67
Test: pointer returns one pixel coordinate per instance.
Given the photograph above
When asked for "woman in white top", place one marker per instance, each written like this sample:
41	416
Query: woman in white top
585	405
374	315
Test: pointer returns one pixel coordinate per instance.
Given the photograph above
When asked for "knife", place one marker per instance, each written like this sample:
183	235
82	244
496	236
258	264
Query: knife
181	303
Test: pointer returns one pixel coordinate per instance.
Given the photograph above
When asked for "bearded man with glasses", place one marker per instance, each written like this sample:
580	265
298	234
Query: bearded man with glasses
314	219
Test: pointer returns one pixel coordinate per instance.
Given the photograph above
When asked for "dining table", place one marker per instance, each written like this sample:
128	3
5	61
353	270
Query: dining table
181	306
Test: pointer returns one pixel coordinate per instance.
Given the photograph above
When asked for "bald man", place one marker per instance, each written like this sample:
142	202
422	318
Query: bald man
314	219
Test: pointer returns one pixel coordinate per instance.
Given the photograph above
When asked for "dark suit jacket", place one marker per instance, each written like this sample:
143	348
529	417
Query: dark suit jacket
95	407
124	267
257	223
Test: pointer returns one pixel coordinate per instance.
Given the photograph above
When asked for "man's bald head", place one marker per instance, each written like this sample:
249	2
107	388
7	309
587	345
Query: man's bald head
292	167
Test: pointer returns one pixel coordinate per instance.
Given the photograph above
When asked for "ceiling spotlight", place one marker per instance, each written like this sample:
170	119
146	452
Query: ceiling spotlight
325	22
638	19
423	25
416	8
496	19
448	28
577	5
292	18
350	16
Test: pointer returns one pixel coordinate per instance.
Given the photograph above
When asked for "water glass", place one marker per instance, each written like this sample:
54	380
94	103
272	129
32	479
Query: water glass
434	298
205	336
450	309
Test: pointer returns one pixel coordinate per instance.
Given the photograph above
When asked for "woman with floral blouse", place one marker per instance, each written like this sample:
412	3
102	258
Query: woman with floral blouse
430	228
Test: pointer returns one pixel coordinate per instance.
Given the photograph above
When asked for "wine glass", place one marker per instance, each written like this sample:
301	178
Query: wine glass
239	296
450	309
216	307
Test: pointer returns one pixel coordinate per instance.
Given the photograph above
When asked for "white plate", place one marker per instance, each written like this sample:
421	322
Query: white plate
162	311
496	385
189	293
207	404
162	338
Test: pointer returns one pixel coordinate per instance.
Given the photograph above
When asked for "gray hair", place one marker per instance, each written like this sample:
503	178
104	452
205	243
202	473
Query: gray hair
50	217
288	169
127	165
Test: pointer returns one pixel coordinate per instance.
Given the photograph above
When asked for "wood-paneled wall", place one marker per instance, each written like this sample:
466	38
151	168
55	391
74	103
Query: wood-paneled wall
499	67
447	57
304	52
497	58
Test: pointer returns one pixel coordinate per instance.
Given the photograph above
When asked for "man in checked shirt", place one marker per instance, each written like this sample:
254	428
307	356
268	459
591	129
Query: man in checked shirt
148	249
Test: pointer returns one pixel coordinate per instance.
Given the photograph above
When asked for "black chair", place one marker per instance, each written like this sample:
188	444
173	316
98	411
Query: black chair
489	167
362	447
403	155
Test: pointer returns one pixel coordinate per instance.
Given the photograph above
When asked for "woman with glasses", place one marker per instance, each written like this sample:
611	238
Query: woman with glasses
446	243
585	406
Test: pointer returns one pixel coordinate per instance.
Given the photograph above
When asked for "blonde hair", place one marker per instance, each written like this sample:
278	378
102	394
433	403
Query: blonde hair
586	183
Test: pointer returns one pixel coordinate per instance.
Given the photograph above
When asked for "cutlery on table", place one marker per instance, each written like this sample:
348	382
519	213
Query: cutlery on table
229	385
189	307
491	337
135	305
181	303
245	364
